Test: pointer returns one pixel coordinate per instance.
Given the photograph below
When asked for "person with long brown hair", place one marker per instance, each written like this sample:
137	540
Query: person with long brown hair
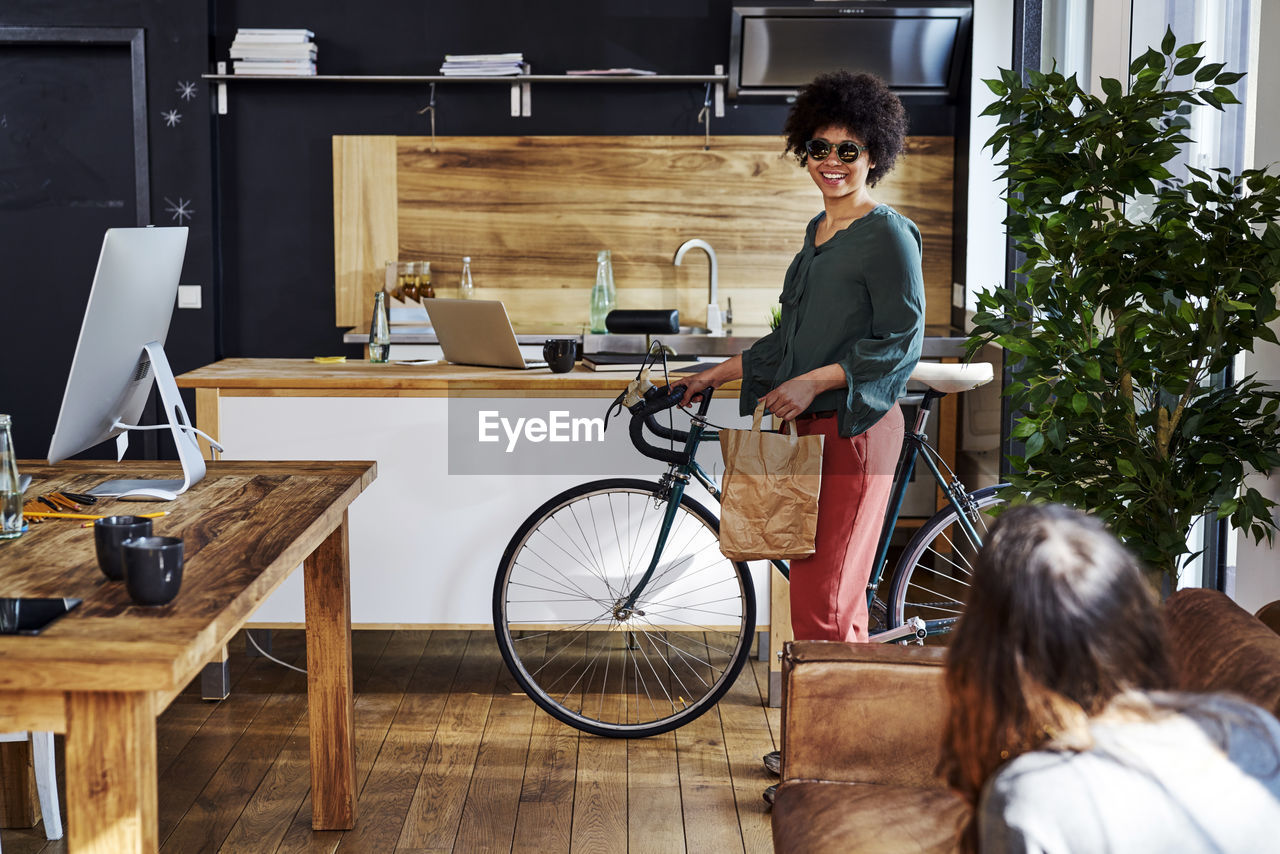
1064	732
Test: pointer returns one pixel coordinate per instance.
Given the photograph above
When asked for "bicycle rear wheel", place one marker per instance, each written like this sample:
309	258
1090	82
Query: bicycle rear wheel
556	610
932	578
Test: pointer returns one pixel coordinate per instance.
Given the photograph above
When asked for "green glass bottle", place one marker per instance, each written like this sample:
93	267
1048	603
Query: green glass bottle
603	296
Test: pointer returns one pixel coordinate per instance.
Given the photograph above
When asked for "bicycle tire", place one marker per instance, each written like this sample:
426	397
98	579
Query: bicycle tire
930	580
555	598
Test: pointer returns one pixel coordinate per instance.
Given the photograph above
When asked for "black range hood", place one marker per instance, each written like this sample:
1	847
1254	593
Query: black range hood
918	47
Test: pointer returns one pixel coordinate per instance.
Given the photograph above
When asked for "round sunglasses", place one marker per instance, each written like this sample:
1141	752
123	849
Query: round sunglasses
847	151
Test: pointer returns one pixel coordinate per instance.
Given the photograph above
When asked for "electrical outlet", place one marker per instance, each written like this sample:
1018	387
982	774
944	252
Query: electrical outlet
188	296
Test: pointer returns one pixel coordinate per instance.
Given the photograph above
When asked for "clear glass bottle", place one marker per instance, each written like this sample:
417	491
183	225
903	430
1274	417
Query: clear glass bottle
10	490
466	288
603	296
379	330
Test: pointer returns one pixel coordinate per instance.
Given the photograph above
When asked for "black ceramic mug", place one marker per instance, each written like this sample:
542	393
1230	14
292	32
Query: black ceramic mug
560	354
152	569
108	533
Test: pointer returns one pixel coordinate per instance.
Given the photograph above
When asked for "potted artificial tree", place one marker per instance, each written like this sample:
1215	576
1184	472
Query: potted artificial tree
1139	289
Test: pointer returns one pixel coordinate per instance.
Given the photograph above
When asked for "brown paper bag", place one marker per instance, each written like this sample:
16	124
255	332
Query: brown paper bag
769	495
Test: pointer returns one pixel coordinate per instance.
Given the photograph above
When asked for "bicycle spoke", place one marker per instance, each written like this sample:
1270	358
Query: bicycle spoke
934	577
646	672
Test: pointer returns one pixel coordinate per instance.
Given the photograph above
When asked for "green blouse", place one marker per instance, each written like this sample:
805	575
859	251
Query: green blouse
856	300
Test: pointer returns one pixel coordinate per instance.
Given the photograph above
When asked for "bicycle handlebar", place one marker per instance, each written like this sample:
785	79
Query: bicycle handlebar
642	414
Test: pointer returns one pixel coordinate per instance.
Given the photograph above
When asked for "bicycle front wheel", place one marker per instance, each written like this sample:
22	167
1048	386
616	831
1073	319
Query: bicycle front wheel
562	630
933	576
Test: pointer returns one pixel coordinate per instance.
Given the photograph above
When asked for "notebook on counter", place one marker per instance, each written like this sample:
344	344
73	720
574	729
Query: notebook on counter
634	361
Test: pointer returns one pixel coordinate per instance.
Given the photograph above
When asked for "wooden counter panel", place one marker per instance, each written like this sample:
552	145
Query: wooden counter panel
303	377
533	241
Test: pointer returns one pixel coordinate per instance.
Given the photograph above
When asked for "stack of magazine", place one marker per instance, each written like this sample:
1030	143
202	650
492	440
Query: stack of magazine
482	64
276	52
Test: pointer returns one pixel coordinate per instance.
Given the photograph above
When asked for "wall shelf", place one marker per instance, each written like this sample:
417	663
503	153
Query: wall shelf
521	84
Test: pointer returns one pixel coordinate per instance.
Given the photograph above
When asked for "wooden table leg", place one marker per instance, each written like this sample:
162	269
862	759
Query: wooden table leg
18	804
779	631
330	702
111	773
208	418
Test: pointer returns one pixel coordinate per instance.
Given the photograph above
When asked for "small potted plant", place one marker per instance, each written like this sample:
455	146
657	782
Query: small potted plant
1139	289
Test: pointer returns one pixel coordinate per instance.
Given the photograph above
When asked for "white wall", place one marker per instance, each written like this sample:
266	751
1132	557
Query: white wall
985	248
1258	567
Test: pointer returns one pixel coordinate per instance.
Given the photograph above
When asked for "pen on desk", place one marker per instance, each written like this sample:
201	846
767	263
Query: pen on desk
90	516
92	519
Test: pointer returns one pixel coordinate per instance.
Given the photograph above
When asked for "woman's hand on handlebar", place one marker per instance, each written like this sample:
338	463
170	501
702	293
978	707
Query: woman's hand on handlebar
713	378
694	386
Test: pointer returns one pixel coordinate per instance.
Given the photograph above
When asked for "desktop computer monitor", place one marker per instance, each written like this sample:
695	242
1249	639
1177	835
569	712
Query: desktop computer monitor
121	350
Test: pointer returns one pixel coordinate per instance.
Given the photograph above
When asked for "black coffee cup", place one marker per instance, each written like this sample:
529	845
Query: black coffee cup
560	354
152	569
108	533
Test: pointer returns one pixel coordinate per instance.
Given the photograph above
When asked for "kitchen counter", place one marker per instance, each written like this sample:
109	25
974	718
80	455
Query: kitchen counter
355	378
940	342
427	537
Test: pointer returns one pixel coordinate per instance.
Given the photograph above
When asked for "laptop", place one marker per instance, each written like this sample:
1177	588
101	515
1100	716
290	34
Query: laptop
476	332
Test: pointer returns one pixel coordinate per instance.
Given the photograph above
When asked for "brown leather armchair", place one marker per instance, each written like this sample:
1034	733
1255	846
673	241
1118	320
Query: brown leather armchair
862	726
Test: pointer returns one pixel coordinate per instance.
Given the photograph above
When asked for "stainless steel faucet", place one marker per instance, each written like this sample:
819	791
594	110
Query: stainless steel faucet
715	320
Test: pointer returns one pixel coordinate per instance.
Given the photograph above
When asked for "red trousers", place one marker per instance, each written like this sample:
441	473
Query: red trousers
829	588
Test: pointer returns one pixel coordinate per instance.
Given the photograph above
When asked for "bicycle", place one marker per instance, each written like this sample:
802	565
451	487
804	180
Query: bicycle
616	613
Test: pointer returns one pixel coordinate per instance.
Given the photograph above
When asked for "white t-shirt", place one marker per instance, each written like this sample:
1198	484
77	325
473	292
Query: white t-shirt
1203	779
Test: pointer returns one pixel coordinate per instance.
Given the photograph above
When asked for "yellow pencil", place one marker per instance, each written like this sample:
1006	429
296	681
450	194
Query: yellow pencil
42	515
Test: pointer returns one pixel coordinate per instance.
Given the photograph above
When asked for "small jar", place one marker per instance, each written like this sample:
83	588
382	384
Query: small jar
407	276
423	277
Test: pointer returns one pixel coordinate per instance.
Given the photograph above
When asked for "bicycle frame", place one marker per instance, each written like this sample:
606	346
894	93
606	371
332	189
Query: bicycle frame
915	444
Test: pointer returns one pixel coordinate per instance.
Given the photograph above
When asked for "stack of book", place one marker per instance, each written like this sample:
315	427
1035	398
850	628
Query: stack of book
482	64
284	53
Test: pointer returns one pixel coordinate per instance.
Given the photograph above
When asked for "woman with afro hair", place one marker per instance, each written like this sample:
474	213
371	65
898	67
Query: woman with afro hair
851	329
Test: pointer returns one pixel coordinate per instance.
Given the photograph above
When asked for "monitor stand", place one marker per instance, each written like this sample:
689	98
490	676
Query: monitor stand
184	439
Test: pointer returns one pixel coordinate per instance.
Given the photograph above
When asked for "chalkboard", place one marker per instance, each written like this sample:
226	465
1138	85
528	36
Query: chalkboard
101	103
67	173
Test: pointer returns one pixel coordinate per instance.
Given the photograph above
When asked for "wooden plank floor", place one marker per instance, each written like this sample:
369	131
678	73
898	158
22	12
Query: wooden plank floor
450	756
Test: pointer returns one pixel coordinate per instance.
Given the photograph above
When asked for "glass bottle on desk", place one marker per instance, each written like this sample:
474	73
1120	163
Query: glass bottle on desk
10	490
603	296
379	330
466	289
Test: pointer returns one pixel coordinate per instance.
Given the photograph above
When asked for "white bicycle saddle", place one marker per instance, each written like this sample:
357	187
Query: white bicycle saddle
950	378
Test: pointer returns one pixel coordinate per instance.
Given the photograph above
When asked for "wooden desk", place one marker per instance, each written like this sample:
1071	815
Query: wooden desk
102	673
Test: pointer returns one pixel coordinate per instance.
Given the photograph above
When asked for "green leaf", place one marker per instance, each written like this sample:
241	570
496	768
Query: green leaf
1169	41
1079	402
1225	95
1229	77
1024	428
1187	66
1112	87
1189	50
1126	468
1209	71
1035	444
997	87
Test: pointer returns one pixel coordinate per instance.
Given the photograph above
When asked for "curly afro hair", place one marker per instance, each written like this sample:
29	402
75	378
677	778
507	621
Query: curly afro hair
858	102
